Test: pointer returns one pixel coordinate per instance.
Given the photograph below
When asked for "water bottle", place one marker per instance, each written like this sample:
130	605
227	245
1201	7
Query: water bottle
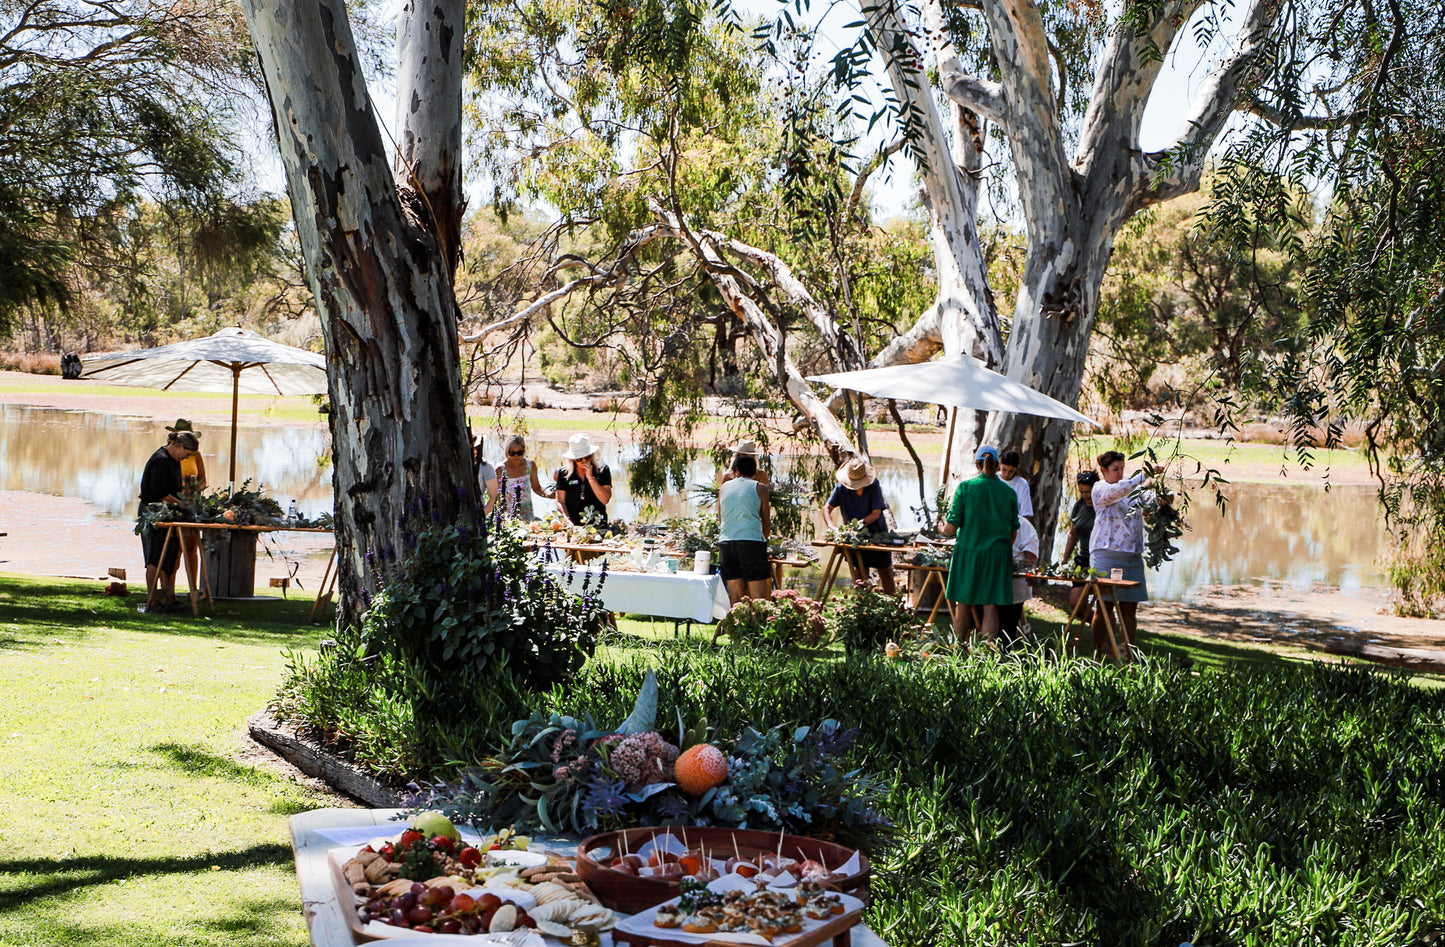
292	516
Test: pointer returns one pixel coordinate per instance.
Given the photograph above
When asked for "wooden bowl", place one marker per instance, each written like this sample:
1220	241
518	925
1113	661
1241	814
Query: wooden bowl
632	893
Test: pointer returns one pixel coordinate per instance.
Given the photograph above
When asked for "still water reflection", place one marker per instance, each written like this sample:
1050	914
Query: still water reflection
1293	533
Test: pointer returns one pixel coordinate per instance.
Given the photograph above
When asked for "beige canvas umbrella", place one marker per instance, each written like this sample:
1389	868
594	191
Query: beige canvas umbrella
955	381
233	360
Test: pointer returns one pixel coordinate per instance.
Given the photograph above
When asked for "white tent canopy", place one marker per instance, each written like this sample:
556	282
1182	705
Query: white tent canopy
233	360
955	381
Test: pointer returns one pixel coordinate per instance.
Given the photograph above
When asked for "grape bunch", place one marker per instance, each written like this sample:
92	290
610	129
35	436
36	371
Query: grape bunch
441	910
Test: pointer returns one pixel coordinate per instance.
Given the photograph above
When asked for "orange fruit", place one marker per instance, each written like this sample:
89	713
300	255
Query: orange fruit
700	768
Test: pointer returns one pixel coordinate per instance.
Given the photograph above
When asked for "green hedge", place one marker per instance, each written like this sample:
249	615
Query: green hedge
1076	803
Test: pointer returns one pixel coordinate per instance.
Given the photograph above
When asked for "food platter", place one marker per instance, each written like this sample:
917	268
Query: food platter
631	893
640	930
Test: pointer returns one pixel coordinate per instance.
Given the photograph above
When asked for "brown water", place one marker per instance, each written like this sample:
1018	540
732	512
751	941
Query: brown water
1297	534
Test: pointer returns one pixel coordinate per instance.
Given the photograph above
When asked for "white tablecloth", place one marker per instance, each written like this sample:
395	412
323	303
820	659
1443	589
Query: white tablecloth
701	598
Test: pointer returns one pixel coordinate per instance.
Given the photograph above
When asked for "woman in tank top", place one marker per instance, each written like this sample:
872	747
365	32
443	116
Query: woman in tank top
744	524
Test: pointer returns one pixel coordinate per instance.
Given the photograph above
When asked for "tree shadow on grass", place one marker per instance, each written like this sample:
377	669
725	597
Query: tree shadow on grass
67	611
245	921
54	877
200	764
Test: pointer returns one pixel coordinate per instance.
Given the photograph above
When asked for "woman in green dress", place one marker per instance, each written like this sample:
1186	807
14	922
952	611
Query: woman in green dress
984	517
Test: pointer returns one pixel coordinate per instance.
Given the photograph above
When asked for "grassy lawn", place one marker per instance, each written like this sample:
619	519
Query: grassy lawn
128	775
129	814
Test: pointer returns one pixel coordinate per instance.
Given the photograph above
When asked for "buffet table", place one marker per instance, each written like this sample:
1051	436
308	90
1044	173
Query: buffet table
679	595
175	530
1102	590
315	833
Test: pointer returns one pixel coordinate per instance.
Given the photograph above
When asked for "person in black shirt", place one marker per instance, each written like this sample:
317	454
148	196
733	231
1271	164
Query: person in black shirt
583	488
1081	527
161	482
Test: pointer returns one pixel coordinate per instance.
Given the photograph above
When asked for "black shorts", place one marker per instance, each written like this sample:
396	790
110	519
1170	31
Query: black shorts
152	542
744	559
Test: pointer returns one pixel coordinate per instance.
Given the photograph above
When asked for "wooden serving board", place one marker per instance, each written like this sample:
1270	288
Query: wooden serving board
839	930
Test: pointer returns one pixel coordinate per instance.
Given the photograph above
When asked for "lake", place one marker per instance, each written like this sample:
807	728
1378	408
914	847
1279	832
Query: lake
1298	534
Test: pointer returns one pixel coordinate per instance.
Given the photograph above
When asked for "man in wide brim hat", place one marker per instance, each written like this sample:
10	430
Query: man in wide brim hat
856	474
859	498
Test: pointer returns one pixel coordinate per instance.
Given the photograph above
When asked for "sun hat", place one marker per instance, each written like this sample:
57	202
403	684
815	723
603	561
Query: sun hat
749	448
579	446
856	474
987	450
182	425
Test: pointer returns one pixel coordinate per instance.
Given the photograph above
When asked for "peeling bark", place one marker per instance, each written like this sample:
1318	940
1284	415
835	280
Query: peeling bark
382	289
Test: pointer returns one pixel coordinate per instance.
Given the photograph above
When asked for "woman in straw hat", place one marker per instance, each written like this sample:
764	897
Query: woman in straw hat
858	497
984	515
745	449
583	487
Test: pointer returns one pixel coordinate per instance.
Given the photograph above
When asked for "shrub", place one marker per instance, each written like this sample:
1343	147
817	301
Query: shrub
470	595
786	620
869	618
448	655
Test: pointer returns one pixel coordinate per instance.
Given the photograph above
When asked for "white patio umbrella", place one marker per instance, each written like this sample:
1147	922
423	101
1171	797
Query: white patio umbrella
233	360
956	381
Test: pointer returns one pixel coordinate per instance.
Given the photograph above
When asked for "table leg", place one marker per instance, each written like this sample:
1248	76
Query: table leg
1098	593
777	576
205	574
830	574
160	563
322	591
1128	649
937	577
1073	617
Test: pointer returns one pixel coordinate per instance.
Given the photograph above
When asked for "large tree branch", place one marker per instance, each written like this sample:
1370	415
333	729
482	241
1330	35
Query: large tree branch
429	99
1127	72
1176	170
766	334
1020	48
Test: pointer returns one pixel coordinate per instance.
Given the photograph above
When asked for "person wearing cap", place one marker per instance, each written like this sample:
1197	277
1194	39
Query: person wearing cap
858	497
1081	527
583	488
744	449
1008	472
744	524
984	518
161	482
193	481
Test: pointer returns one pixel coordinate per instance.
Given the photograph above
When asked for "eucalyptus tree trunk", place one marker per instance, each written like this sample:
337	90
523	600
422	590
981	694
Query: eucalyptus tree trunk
429	108
382	288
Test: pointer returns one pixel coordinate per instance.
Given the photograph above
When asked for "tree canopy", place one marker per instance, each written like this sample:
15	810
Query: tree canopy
102	102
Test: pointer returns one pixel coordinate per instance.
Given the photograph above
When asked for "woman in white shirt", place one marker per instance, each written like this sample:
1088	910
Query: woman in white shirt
1118	540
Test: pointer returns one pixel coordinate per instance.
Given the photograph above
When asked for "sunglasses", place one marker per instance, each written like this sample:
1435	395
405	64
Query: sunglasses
515	453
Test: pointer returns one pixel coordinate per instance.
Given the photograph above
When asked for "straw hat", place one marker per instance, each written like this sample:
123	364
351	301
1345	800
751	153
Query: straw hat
579	446
856	474
747	448
182	425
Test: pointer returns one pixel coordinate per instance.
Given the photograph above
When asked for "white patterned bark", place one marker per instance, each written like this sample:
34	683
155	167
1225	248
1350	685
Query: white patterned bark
382	290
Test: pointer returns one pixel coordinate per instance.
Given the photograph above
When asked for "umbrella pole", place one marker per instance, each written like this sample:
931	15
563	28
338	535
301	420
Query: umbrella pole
235	409
948	446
